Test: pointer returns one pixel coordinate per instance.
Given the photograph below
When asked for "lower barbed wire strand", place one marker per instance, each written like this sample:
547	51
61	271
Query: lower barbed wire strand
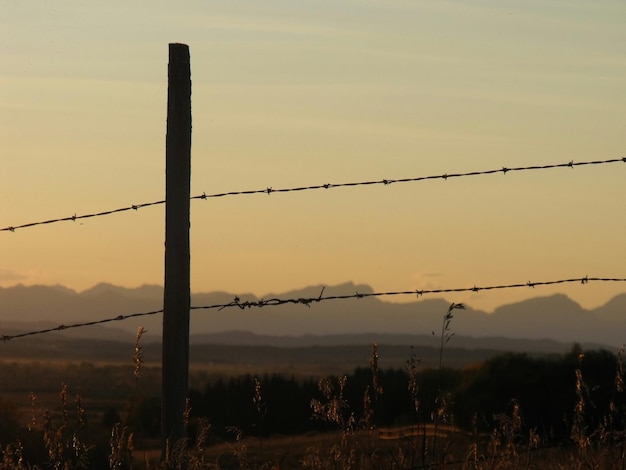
307	301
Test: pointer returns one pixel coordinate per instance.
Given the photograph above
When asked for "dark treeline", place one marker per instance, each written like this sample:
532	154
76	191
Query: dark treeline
544	388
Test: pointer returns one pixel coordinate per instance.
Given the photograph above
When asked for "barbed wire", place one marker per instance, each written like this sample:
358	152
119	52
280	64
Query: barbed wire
269	190
63	327
308	301
74	218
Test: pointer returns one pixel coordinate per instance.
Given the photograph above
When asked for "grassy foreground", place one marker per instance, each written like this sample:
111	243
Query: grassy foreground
496	433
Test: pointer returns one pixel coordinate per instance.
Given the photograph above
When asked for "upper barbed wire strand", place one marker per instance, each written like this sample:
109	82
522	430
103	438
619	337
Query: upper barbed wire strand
269	190
307	301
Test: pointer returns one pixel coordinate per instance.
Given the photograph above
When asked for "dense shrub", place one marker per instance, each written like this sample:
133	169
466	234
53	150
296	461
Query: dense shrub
543	387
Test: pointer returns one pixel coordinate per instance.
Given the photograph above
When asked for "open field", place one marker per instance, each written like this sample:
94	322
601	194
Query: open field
505	411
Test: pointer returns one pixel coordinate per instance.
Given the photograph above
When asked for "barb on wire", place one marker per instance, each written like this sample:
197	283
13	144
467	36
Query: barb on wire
269	190
308	301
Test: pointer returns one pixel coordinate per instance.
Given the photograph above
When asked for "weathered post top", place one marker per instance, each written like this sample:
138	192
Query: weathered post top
179	52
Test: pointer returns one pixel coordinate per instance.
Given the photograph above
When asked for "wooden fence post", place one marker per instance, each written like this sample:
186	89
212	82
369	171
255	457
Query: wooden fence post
176	297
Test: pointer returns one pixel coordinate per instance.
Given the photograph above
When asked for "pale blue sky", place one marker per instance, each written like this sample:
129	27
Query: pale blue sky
298	93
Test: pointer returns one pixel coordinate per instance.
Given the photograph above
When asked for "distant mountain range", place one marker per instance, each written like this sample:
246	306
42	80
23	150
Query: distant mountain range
556	317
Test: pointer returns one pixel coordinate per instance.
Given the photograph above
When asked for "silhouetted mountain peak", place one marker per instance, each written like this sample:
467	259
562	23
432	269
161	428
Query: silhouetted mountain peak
614	310
557	303
105	288
20	289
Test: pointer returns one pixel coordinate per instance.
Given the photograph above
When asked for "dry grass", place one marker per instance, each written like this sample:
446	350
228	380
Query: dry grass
356	443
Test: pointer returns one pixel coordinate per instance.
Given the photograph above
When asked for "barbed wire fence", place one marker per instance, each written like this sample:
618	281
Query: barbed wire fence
238	303
308	301
269	190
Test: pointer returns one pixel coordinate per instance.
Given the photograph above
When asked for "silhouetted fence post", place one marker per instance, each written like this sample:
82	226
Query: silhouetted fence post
176	297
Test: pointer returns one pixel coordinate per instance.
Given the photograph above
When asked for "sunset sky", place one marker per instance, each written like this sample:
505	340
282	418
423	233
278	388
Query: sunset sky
291	93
